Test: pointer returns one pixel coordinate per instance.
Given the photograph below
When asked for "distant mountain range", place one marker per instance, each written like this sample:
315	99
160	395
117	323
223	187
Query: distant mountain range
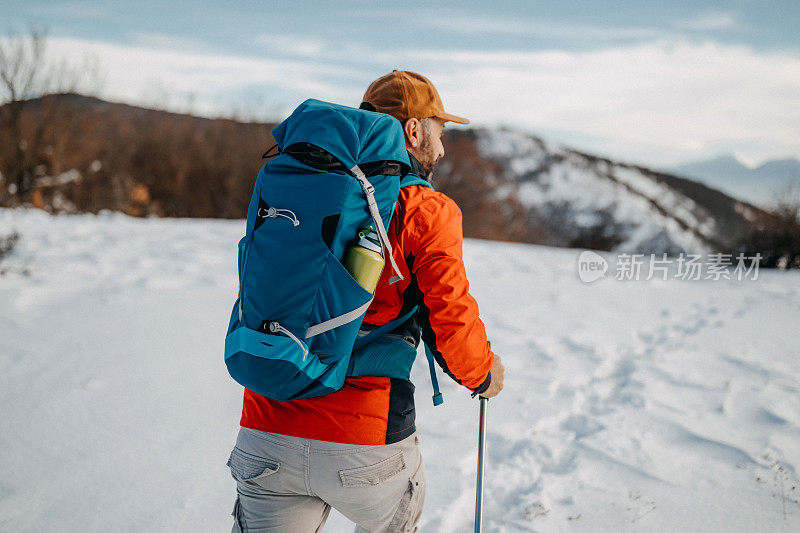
758	185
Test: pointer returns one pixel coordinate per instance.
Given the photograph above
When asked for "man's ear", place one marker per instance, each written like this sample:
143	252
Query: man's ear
413	130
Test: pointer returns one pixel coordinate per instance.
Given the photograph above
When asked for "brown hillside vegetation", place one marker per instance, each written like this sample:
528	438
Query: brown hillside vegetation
94	155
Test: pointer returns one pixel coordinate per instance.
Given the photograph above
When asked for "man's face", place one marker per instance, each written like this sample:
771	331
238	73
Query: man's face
429	148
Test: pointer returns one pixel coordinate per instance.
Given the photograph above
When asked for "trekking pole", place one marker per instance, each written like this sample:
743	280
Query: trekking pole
481	454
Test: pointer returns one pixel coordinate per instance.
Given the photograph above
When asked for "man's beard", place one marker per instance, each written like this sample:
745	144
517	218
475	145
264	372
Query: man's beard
427	155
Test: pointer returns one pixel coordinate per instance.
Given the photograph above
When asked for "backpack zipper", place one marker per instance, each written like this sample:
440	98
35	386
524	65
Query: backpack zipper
271	212
275	327
274	212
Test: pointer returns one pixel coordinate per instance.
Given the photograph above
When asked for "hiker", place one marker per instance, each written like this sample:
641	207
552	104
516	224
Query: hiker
356	449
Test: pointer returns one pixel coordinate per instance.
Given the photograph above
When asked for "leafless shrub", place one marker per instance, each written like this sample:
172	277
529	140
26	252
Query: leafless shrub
7	243
777	235
786	203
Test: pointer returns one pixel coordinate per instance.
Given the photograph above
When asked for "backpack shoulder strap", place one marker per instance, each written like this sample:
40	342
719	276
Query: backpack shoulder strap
413	179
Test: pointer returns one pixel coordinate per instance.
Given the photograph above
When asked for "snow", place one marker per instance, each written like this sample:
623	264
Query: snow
61	179
524	150
556	182
628	406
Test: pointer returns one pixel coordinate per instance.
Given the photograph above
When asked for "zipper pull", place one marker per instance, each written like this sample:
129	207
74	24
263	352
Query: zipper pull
275	327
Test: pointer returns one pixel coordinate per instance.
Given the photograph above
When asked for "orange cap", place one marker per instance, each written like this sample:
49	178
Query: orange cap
406	95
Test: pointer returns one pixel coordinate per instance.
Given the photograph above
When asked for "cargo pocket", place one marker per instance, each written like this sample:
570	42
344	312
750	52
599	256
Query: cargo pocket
247	467
237	517
410	509
373	474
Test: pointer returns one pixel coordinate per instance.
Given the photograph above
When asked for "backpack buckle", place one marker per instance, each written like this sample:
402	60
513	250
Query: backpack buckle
362	179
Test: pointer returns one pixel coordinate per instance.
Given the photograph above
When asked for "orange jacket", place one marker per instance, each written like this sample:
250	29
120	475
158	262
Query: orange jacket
426	238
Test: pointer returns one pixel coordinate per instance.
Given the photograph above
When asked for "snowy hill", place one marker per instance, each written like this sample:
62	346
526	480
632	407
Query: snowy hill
573	199
629	406
758	185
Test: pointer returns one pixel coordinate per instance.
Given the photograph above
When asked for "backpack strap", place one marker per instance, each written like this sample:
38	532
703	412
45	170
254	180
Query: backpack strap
369	191
337	321
391	325
437	395
413	179
383	330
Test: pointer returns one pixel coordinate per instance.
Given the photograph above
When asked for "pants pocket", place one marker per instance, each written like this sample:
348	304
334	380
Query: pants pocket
248	467
237	517
373	474
410	509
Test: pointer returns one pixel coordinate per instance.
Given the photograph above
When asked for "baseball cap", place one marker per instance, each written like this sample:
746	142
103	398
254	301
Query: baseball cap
406	95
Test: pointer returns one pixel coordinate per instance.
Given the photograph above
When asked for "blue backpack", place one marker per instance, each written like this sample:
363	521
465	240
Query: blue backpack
296	320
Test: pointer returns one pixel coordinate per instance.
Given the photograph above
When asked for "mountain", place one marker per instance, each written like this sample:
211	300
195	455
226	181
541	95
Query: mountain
569	198
85	154
723	165
759	185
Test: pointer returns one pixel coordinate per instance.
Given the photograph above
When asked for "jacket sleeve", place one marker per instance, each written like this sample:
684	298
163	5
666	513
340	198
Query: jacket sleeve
448	313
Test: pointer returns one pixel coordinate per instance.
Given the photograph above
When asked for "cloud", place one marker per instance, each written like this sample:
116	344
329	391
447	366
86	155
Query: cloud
160	71
73	10
167	41
291	44
539	28
711	20
655	102
658	103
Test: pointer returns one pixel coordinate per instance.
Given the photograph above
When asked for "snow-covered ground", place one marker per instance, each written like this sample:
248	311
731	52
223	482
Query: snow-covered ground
629	406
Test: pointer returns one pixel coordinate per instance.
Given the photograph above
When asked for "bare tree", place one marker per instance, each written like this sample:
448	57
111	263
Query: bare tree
786	202
776	234
26	74
21	78
786	209
21	60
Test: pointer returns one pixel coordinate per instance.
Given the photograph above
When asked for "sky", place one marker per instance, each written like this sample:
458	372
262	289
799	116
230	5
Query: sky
653	83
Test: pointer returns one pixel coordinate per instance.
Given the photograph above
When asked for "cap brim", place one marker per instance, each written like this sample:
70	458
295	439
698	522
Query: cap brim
453	118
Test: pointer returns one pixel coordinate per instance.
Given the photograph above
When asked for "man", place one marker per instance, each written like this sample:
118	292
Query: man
356	449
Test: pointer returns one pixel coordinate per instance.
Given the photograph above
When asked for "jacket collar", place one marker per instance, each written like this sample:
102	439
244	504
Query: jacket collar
416	167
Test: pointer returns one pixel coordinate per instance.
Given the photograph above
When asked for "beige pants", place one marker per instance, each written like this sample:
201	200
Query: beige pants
288	484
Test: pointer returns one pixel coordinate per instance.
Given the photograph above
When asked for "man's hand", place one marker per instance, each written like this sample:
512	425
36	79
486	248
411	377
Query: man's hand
496	385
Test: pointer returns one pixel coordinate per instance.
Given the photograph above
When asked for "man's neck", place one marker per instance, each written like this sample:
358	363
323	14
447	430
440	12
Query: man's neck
416	167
